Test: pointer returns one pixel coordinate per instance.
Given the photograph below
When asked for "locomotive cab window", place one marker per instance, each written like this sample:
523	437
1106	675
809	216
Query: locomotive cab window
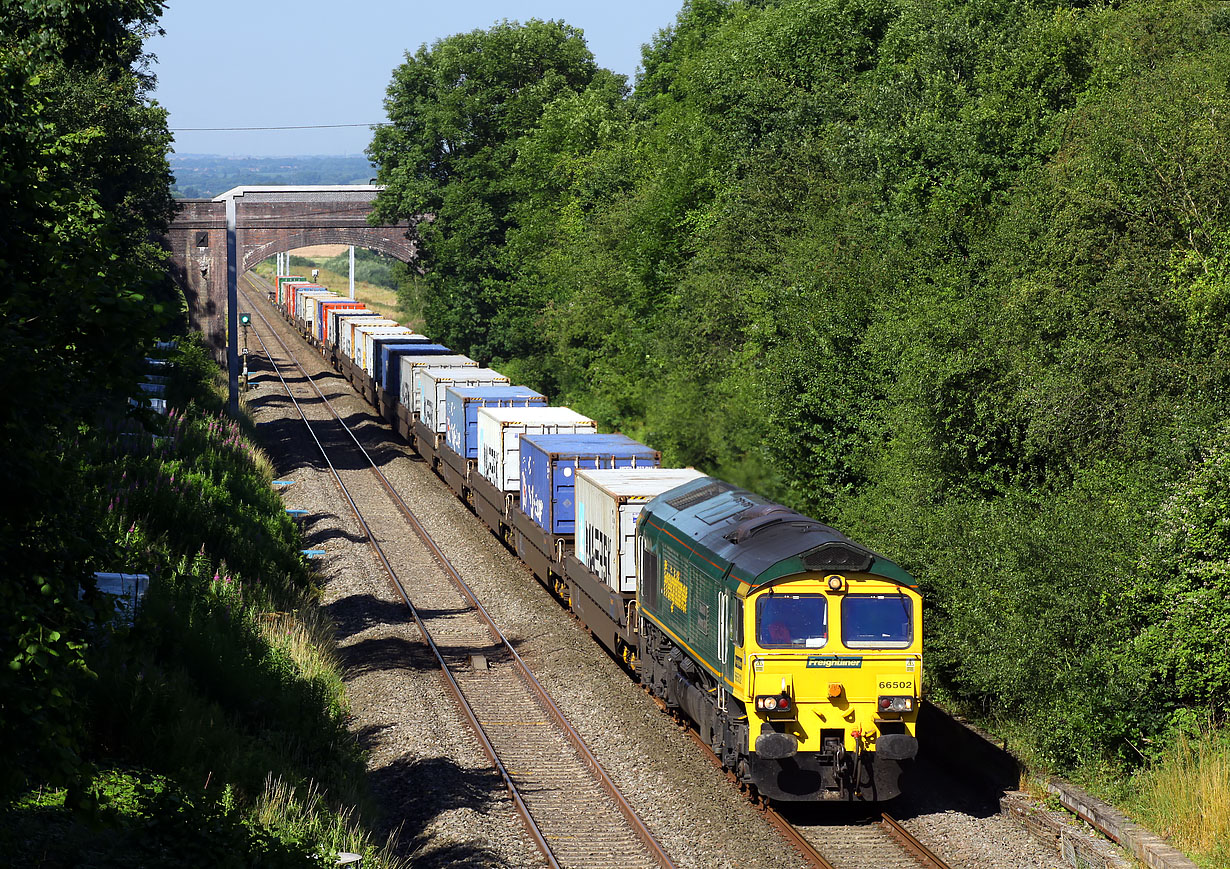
786	621
877	621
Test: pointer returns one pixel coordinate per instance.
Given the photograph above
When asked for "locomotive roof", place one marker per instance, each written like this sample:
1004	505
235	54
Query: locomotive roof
762	540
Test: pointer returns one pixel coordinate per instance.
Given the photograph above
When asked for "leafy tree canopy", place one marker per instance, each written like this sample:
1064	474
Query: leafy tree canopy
951	276
84	179
456	111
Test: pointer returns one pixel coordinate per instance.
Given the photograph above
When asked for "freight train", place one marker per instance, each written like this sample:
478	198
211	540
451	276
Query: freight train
795	652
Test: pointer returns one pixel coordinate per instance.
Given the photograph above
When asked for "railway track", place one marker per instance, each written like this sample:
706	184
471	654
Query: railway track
518	736
873	844
865	844
572	811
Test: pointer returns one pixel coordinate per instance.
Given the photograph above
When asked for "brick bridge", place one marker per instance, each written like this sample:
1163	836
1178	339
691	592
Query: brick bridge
269	220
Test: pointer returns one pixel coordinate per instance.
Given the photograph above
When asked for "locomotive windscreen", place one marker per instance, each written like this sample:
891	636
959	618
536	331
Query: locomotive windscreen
792	620
879	621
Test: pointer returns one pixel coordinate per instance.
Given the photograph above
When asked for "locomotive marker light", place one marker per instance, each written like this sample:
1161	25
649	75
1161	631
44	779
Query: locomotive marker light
836	582
896	704
773	703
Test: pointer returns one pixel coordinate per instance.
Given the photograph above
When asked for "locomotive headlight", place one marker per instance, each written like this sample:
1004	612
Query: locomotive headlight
896	704
771	703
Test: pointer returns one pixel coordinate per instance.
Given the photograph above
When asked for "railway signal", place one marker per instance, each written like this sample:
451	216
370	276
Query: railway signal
245	320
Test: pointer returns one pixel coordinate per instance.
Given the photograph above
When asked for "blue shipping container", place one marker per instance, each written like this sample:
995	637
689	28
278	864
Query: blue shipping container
548	472
461	404
390	375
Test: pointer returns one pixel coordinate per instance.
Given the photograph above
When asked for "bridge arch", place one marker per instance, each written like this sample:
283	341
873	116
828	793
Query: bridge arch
400	248
268	220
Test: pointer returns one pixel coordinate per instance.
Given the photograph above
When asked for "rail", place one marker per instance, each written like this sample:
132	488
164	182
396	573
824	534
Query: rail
635	823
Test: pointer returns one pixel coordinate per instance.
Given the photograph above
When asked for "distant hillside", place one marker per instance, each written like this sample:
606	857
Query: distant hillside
202	176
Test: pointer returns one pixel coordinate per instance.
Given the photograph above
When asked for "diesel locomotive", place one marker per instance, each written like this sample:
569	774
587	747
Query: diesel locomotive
796	651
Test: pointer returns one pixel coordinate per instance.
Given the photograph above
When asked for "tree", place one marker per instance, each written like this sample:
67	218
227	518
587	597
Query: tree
85	182
456	112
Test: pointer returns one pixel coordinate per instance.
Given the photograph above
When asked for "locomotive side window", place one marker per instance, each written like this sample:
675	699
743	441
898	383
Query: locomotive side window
649	578
879	621
792	621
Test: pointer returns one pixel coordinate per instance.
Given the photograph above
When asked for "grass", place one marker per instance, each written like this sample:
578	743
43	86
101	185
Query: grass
137	818
308	818
1185	796
214	726
304	639
1182	794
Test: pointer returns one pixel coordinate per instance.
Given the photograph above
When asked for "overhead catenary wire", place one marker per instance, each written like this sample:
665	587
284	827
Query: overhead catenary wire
254	129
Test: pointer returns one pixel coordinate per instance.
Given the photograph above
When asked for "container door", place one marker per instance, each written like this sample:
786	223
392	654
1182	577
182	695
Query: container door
510	462
564	498
428	411
628	514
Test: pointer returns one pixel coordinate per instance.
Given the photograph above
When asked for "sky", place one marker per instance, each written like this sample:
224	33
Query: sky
274	63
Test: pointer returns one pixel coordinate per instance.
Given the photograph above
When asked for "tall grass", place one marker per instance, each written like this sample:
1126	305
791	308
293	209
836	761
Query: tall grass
304	638
306	817
1185	796
222	705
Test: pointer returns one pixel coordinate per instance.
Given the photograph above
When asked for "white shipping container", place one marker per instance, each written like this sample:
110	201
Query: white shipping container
408	395
430	384
344	324
305	309
363	342
499	438
336	315
348	348
609	503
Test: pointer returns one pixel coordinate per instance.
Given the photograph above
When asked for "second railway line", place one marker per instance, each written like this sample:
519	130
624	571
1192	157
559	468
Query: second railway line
574	820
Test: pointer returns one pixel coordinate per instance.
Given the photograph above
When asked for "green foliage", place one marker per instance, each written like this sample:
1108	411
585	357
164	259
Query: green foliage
148	820
369	266
951	276
91	487
1188	582
457	110
219	686
83	176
